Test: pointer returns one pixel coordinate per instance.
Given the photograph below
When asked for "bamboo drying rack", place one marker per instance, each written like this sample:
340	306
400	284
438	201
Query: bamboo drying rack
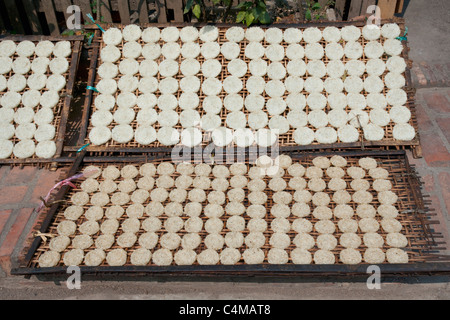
285	141
417	225
62	109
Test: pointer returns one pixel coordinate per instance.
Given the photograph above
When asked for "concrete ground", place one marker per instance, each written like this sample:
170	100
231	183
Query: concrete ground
428	22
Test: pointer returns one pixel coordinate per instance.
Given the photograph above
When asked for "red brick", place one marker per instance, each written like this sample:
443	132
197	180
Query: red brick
12	194
5	264
440	72
46	181
444	124
437	101
20	176
3	169
434	151
428	72
444	182
419	163
428	182
441	217
4	215
14	233
424	121
419	74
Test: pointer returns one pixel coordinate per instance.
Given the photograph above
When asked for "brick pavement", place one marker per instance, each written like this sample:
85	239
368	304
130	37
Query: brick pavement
430	75
20	192
433	111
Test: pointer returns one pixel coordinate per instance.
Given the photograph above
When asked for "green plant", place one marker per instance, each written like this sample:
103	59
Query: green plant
249	12
68	32
94	6
198	9
253	12
315	10
96	9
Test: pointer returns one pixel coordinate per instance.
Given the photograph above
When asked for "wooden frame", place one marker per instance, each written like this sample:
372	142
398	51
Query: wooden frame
65	101
427	240
288	146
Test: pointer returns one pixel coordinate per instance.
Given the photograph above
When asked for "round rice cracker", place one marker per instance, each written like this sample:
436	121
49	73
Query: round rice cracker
211	68
390	30
110	54
235	34
49	259
73	257
25	48
44	116
324	257
100	135
393	47
254	34
326	135
112	36
24	149
404	132
122	133
400	114
209	33
168	136
350	256
23	131
62	49
374	256
230	50
396	255
7	48
145	135
265	137
46	149
17	83
237	67
210	50
304	136
371	32
6	148
191	137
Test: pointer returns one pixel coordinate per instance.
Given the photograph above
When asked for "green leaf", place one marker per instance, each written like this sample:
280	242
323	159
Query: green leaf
261	4
308	14
188	6
245	5
240	16
249	18
264	18
316	6
256	12
216	2
197	11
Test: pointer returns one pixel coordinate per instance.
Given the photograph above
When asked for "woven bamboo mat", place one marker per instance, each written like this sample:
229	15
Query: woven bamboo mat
285	141
61	110
413	217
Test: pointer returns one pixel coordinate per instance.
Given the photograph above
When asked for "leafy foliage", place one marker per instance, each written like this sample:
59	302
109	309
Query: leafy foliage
195	6
253	12
315	11
249	12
